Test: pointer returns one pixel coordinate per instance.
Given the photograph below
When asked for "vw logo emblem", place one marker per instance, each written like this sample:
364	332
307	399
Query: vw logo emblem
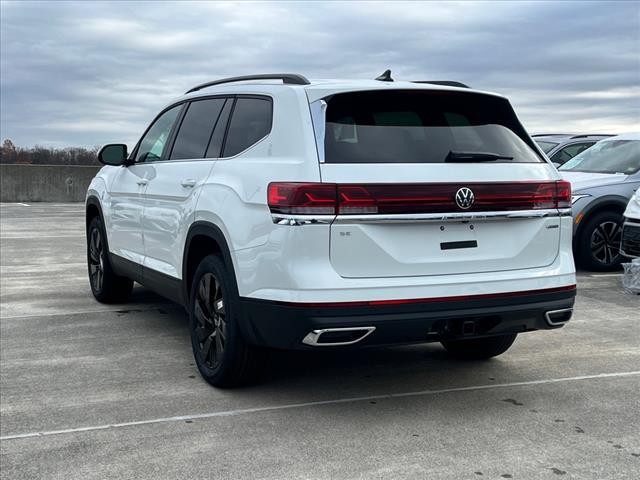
464	198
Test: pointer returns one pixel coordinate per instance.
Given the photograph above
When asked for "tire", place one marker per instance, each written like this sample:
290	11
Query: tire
223	358
480	348
598	247
106	286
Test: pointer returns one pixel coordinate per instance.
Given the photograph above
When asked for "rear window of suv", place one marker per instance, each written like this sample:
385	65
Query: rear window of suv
414	126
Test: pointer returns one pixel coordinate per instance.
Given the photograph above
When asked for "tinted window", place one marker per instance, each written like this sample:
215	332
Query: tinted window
570	151
250	122
196	128
153	142
215	144
610	156
421	127
546	146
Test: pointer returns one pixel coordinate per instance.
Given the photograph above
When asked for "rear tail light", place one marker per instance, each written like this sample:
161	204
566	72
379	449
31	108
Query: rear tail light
563	194
350	199
302	198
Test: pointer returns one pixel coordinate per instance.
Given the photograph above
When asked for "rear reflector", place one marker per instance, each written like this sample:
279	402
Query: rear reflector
455	298
349	199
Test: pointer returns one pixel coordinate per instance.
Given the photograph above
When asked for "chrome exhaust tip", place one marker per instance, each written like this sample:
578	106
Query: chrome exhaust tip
334	337
556	318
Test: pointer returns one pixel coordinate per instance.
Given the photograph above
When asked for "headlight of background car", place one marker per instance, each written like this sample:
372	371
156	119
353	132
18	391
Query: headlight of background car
576	197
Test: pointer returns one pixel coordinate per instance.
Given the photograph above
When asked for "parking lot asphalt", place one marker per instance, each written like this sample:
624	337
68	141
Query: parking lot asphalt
96	391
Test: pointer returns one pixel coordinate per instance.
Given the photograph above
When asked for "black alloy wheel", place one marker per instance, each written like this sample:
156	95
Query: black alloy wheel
106	285
96	264
211	329
605	242
222	355
598	242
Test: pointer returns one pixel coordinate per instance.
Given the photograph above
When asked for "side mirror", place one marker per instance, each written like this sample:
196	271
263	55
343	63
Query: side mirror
113	154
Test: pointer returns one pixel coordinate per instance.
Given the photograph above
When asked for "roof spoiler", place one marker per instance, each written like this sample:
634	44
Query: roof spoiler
448	83
386	77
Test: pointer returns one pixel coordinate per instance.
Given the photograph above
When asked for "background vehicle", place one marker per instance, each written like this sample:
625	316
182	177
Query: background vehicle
293	214
603	180
631	228
561	147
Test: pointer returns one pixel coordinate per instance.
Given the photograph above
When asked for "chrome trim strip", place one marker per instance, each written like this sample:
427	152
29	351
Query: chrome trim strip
452	217
296	220
556	324
312	337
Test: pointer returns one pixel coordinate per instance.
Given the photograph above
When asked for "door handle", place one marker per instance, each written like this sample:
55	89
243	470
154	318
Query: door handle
142	182
188	183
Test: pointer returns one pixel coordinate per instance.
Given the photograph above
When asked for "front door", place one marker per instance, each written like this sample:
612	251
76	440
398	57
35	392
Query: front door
127	191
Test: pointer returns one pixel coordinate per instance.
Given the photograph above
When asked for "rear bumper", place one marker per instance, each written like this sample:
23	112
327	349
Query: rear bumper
286	325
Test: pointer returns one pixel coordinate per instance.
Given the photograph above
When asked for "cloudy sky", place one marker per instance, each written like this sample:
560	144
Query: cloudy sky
85	74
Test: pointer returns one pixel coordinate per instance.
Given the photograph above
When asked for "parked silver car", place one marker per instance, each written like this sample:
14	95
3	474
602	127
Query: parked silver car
562	147
603	179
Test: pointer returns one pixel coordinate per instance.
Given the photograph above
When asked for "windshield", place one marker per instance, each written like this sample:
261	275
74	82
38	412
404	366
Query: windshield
546	146
418	126
610	156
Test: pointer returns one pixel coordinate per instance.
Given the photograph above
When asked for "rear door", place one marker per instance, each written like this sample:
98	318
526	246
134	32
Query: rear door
175	181
411	203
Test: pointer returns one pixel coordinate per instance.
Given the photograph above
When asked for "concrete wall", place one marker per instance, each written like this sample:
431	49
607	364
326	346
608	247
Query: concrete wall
45	183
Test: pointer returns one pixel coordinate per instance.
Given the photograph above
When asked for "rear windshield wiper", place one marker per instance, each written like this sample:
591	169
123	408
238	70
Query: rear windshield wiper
474	157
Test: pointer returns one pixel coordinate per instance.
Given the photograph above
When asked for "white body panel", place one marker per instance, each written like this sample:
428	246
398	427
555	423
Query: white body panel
170	202
124	212
632	211
363	249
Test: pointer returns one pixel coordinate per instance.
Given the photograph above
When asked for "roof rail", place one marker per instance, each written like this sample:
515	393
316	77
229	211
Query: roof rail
290	78
593	135
551	135
448	83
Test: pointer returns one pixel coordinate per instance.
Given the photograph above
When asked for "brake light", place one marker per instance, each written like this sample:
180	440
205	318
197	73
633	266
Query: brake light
302	198
351	199
563	194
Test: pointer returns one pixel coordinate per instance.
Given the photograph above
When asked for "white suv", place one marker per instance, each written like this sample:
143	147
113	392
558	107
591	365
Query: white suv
286	213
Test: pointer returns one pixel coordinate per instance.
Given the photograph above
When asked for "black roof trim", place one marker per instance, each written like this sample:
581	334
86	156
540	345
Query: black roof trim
551	135
289	78
571	136
447	83
593	135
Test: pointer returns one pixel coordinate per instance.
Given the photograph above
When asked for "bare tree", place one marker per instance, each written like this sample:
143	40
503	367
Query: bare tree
39	155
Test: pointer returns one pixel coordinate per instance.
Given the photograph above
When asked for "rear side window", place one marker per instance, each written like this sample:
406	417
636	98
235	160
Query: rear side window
546	146
250	122
567	153
197	128
412	126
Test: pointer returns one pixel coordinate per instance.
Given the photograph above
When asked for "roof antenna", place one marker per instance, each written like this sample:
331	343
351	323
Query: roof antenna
385	77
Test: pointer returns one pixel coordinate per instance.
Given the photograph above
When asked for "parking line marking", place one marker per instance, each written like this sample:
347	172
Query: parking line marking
32	237
246	411
122	307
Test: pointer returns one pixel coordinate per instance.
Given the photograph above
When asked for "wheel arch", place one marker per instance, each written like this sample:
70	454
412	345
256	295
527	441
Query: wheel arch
204	238
92	209
612	203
